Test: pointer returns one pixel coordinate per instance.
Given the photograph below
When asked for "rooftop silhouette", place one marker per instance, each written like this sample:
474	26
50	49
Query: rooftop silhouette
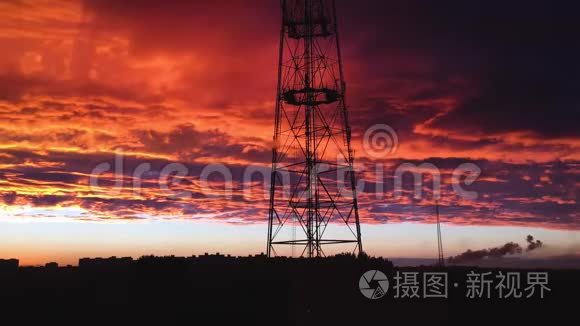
249	289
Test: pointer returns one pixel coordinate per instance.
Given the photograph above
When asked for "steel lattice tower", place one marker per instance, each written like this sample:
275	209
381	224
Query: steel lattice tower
313	200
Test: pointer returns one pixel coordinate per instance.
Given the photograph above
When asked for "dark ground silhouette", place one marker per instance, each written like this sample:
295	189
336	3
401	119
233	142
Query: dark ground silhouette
219	289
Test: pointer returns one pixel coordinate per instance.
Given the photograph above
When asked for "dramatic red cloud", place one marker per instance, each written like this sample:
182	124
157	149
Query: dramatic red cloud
193	83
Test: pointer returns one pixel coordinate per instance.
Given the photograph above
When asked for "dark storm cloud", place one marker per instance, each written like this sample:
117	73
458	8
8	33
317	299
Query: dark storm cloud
180	24
114	194
14	85
508	194
49	200
519	59
190	143
9	197
516	194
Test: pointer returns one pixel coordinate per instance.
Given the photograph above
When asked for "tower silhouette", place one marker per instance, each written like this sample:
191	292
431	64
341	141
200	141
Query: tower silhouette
440	258
313	200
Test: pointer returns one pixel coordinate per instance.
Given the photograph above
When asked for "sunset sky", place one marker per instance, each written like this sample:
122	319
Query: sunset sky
194	82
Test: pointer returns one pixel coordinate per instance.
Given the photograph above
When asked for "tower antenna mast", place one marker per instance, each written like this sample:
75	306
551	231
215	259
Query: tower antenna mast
440	257
312	184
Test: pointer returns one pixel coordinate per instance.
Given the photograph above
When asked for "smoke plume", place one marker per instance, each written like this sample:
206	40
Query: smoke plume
533	244
509	248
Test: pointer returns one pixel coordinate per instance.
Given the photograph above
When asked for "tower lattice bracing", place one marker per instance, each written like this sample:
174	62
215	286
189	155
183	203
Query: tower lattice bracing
313	202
